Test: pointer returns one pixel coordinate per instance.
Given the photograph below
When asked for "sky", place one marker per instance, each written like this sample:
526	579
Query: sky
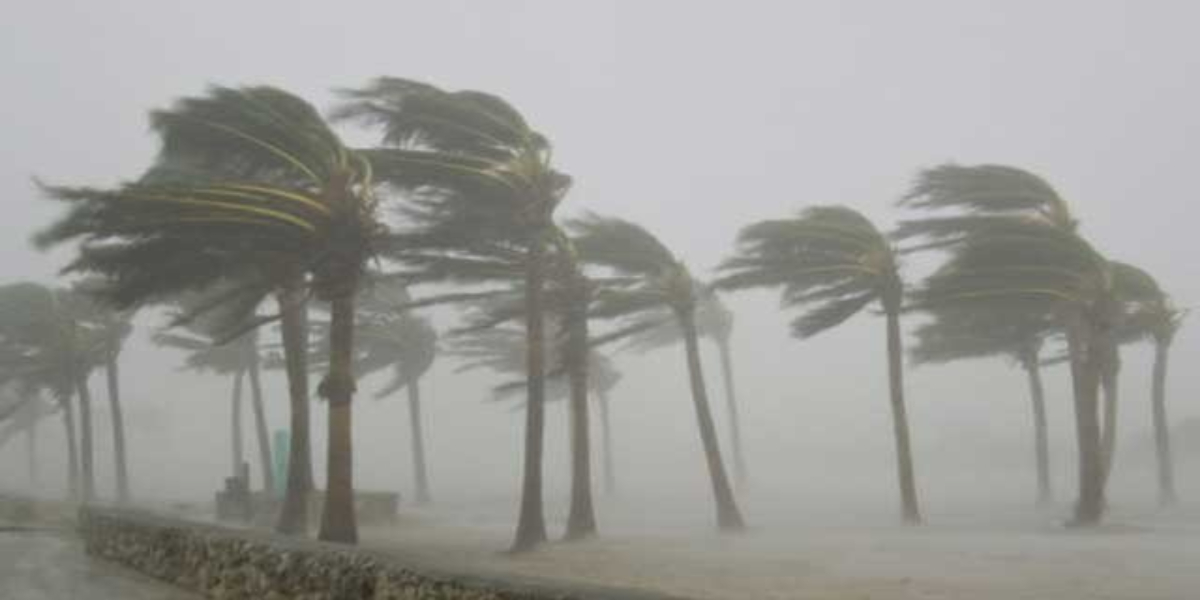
693	118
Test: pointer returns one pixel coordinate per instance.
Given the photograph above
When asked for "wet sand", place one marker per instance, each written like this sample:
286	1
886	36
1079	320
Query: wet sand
1023	555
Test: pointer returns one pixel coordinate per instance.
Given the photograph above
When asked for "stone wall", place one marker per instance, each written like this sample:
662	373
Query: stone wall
235	565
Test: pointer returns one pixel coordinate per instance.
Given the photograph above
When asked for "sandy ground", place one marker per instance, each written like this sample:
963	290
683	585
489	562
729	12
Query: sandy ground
45	565
1025	555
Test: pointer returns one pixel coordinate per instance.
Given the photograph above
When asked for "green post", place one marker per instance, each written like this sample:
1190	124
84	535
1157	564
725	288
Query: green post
282	446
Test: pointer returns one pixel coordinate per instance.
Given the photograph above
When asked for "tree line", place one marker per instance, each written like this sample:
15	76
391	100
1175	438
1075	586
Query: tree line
257	213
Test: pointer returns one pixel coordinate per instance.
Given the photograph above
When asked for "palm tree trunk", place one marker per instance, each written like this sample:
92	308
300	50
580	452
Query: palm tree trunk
610	479
1108	433
581	519
260	428
68	410
87	450
740	474
293	517
1037	394
531	521
418	441
338	522
1162	433
235	426
1085	376
118	424
729	518
910	510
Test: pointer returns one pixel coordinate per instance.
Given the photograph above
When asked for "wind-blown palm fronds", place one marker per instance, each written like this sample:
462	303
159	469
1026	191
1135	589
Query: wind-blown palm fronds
653	286
247	178
830	263
1013	243
480	186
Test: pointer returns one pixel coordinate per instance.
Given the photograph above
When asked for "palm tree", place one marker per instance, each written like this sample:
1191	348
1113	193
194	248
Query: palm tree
480	184
240	360
1158	320
46	345
1013	243
20	411
832	262
967	334
602	378
246	176
651	286
714	321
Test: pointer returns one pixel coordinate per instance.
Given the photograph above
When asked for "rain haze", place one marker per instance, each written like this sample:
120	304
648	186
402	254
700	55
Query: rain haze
692	119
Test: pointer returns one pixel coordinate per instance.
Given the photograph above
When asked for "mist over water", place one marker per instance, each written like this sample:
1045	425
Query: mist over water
693	120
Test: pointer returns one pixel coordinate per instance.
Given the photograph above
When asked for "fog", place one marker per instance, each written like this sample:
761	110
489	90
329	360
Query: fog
692	119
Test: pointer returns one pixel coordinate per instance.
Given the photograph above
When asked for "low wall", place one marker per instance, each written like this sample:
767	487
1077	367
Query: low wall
235	565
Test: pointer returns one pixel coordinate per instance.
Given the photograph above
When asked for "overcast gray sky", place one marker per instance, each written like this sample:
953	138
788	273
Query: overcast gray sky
693	118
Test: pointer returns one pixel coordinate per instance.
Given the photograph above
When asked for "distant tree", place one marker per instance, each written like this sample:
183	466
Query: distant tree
649	285
240	359
1018	335
832	263
46	344
1158	320
714	321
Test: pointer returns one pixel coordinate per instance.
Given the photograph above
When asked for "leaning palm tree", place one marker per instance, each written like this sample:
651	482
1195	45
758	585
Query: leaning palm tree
480	184
955	335
1158	320
832	263
1013	243
247	178
652	286
714	321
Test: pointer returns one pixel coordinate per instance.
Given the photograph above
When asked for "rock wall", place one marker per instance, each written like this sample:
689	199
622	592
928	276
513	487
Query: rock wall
235	565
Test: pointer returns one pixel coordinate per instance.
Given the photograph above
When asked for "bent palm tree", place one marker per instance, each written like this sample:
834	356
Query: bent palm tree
480	184
967	334
714	320
831	262
1013	243
652	286
246	176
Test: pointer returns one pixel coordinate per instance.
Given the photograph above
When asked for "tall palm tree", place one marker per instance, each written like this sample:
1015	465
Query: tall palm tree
967	334
651	286
1013	242
832	263
246	176
480	183
714	321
